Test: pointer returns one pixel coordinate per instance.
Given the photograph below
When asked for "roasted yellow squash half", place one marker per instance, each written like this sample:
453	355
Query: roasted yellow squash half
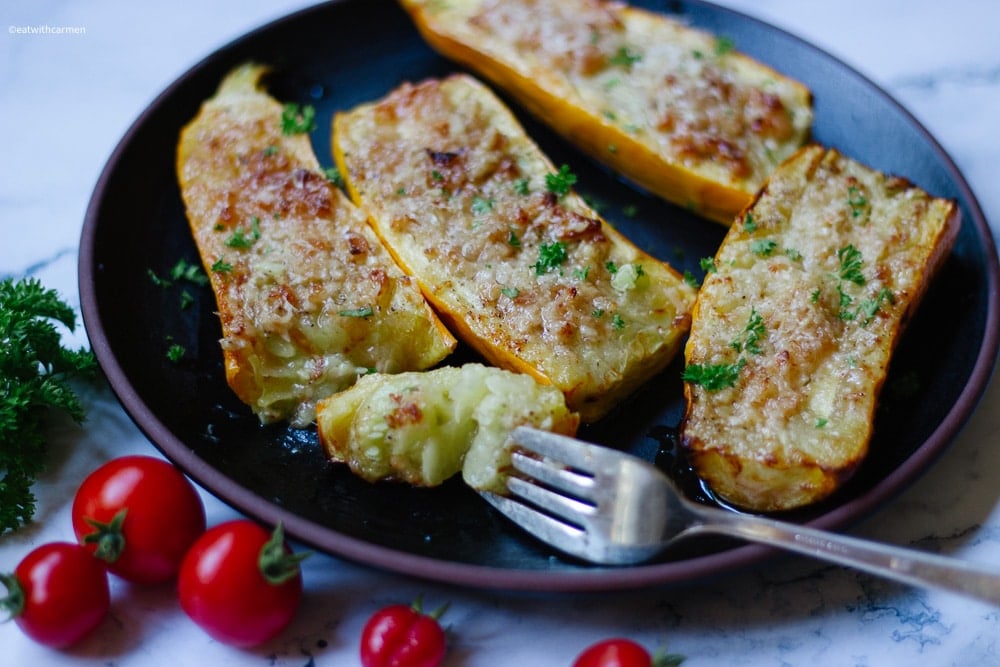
794	328
307	296
677	110
517	264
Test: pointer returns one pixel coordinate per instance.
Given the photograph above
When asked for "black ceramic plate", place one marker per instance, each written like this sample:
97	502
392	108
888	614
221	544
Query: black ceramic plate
337	55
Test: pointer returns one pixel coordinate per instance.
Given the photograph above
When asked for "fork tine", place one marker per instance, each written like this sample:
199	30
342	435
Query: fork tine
562	507
563	536
570	451
553	474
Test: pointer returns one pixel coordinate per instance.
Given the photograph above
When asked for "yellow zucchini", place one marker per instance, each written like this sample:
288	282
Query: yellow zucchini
514	260
676	110
794	330
307	296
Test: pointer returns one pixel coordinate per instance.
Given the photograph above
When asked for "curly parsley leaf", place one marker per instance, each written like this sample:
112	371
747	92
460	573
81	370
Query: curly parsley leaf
550	256
851	263
35	370
297	119
713	377
560	183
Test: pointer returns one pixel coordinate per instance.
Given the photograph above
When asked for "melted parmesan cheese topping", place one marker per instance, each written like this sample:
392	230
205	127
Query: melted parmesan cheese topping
308	298
824	268
534	277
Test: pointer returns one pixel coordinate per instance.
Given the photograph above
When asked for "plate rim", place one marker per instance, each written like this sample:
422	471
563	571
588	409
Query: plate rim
472	575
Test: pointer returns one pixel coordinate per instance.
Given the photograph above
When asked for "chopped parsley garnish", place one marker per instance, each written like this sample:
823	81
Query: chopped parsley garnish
763	247
617	322
581	273
334	176
821	422
270	150
35	371
186	299
691	279
550	256
611	267
365	311
175	352
242	239
510	292
513	241
793	254
749	223
752	334
707	264
598	313
521	186
221	266
856	200
869	308
713	377
296	119
437	175
625	57
481	205
850	265
724	45
182	270
560	183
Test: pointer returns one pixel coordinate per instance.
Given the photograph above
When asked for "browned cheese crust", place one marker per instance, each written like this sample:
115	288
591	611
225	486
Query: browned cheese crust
307	296
677	110
812	287
535	280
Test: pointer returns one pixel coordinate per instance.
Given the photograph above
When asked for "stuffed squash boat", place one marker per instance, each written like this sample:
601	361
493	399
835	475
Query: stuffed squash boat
307	296
794	329
516	263
676	110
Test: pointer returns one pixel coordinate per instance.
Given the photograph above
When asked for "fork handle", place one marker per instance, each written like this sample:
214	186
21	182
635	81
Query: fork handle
908	566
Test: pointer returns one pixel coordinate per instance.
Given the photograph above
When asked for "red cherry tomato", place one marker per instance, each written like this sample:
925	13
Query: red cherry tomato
616	652
58	594
402	636
139	514
241	584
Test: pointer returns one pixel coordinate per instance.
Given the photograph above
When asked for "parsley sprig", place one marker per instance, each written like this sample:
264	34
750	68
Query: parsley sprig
713	377
560	183
550	256
35	370
296	119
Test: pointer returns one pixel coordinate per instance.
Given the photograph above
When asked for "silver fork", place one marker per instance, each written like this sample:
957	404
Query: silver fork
608	507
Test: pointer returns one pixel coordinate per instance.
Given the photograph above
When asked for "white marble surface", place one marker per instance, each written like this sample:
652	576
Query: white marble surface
65	101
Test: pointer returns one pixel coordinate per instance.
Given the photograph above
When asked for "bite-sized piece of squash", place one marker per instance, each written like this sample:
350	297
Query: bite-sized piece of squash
515	262
423	428
794	329
677	110
307	296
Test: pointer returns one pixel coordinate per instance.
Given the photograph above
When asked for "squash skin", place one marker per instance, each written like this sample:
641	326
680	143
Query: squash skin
299	261
486	289
587	120
797	422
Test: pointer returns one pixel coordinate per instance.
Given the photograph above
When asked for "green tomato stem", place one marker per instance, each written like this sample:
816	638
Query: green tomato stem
13	602
277	565
108	537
